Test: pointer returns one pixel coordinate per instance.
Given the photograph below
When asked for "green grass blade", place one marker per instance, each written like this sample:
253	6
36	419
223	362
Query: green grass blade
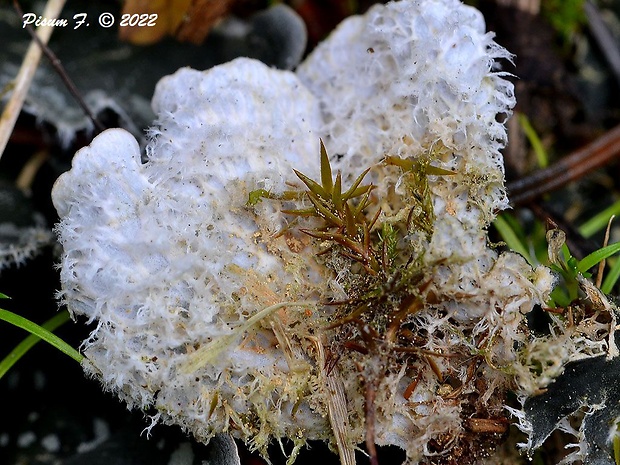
534	140
599	221
37	333
510	238
4	296
559	298
596	256
611	278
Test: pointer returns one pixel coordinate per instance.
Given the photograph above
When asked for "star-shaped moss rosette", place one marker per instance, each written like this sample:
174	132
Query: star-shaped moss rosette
353	298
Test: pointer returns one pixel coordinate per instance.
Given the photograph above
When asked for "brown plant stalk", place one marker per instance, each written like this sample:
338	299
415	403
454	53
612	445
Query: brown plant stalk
570	168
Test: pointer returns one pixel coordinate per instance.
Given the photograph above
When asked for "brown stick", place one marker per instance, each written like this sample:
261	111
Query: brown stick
570	168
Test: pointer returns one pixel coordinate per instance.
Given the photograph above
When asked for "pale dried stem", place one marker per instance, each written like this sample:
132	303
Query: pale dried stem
29	171
336	404
601	265
210	351
26	74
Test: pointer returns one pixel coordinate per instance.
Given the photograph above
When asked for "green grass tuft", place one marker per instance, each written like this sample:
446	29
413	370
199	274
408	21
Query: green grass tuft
37	333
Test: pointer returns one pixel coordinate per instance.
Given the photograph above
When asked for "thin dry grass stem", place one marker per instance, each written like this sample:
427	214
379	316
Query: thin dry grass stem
336	403
29	171
601	265
26	74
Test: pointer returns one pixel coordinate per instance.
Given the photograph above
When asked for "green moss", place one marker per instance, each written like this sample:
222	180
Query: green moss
566	16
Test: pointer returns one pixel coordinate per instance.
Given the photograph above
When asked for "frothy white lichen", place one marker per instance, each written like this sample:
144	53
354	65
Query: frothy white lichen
214	311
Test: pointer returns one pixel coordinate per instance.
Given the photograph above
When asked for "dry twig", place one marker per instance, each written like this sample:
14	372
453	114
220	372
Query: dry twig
570	168
26	73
